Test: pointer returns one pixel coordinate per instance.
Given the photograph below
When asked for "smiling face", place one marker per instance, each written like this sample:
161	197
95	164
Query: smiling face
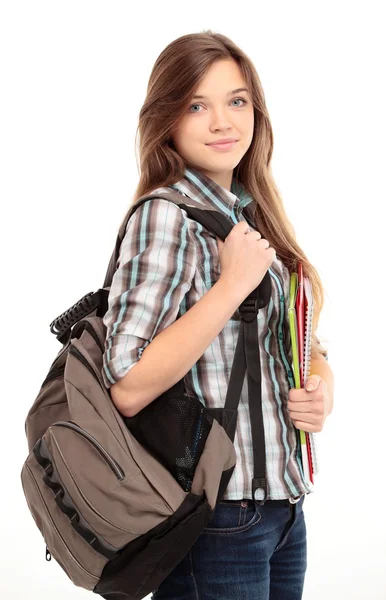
222	111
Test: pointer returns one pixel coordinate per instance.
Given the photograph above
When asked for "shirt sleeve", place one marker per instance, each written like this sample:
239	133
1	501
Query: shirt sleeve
155	269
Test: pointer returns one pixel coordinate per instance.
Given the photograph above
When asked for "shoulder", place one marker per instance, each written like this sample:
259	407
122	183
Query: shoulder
158	226
158	211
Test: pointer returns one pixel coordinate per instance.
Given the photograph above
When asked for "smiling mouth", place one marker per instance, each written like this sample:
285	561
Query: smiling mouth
223	146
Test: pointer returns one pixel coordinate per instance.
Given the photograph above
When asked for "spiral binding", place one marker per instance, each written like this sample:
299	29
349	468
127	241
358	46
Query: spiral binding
308	345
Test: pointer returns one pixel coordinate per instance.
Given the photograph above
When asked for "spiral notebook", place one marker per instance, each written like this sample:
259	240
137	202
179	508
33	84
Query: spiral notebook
300	314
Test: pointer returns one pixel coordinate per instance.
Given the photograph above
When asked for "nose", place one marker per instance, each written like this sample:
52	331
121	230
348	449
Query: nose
219	120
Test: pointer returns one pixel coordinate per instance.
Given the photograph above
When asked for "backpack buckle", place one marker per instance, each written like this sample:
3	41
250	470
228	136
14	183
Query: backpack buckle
259	484
249	309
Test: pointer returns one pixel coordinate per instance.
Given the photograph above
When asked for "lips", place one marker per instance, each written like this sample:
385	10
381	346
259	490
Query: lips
223	146
222	141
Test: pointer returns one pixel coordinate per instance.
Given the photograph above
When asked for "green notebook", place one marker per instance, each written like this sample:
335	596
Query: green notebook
293	328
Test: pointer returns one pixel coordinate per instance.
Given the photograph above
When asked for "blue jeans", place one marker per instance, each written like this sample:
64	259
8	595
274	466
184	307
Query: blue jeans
246	552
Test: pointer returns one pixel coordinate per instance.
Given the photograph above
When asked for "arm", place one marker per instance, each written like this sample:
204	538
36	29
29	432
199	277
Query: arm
155	269
320	366
176	349
148	349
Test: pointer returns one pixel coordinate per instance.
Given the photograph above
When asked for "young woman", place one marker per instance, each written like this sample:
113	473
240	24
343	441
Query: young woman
205	132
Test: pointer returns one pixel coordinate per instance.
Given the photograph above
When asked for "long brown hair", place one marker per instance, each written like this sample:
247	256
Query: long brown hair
173	81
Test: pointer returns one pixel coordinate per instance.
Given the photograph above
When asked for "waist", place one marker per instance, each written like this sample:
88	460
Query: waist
249	502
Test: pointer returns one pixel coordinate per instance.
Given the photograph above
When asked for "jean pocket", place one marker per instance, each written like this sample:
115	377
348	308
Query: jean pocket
288	526
228	519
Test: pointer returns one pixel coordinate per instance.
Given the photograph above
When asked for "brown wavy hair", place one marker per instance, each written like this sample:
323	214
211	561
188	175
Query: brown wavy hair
167	99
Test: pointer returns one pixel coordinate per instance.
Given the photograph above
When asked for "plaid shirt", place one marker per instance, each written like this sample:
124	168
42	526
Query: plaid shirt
167	263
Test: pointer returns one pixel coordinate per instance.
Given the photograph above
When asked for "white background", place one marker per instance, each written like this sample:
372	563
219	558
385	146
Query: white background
73	78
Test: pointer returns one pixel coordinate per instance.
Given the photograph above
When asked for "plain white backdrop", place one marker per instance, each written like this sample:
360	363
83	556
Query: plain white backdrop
73	78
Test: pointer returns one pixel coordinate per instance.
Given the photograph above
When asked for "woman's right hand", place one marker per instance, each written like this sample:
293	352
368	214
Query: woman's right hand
245	257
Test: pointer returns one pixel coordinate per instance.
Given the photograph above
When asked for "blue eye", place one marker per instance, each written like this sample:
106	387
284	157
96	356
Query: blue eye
192	106
234	100
242	100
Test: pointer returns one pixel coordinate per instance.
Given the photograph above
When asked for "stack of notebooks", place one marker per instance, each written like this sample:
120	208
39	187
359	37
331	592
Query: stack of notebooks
300	313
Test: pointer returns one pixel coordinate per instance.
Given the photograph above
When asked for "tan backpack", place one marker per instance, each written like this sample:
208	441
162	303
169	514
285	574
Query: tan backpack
120	501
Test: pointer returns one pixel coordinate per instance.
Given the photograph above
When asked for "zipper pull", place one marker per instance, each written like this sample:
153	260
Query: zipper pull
48	554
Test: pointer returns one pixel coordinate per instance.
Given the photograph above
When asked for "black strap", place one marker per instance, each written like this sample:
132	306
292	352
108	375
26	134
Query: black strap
213	220
247	359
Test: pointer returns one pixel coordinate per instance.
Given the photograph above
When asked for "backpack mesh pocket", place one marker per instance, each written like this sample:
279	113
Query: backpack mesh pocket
174	428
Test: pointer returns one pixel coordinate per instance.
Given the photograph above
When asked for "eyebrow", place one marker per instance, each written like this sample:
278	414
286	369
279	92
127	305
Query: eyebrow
229	93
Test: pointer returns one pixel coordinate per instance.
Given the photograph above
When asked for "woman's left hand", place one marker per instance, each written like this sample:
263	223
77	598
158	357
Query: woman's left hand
308	409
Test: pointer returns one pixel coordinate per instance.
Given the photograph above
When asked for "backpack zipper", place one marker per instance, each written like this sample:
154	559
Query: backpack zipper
94	335
75	352
72	350
56	529
57	371
112	463
53	375
90	329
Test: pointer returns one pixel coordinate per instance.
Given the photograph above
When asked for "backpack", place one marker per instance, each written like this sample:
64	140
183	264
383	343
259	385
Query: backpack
121	500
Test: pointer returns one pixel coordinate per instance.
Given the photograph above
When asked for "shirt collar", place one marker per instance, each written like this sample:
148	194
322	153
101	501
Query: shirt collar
203	189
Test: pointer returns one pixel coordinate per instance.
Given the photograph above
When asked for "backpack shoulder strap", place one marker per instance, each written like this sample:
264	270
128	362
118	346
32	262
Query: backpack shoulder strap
213	220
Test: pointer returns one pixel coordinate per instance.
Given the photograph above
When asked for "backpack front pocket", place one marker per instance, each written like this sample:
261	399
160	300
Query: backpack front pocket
73	563
112	498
